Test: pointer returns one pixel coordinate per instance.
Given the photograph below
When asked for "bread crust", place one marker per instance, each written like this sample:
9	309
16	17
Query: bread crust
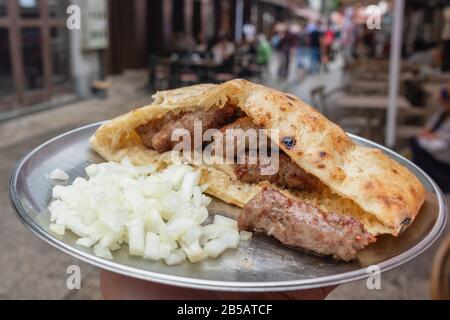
387	192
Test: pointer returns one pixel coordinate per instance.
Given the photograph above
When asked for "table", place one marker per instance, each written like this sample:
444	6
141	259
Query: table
201	62
201	67
370	107
372	102
367	87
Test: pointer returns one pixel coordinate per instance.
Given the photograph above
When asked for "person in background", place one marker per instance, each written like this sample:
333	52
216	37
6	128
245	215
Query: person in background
184	43
286	45
223	50
303	53
202	44
431	148
276	39
348	35
275	42
327	42
229	47
263	52
216	50
249	31
368	42
315	35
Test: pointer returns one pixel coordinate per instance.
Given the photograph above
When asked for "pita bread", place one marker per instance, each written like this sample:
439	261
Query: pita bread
362	182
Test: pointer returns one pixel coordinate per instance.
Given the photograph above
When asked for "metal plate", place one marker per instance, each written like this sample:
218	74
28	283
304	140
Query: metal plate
261	264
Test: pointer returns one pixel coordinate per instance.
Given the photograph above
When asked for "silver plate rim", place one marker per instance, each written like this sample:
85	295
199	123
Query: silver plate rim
271	286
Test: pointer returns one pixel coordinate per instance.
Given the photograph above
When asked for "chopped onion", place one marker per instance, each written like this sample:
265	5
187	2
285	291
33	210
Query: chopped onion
85	242
224	221
57	229
58	174
175	257
152	243
136	237
102	252
245	235
158	214
214	248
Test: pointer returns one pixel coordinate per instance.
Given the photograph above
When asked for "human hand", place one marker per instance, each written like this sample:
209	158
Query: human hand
118	287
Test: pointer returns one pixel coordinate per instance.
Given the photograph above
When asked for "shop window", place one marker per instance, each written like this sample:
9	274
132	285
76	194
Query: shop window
178	16
32	58
60	55
57	8
29	8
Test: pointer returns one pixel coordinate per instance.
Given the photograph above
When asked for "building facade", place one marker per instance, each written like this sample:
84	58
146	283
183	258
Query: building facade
34	52
139	28
44	62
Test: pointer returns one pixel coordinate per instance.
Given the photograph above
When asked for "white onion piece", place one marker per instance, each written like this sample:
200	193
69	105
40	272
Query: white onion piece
58	174
85	242
224	221
175	257
245	235
193	251
210	232
102	252
158	214
57	229
214	248
152	246
136	237
231	239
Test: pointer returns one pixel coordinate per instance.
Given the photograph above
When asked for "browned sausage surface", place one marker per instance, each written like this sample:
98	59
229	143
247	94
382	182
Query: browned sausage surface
289	174
158	135
305	226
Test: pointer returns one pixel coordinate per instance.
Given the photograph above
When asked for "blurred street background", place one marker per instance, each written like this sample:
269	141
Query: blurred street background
380	69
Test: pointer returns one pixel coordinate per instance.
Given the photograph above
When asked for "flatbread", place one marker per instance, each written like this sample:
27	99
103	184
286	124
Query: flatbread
363	182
